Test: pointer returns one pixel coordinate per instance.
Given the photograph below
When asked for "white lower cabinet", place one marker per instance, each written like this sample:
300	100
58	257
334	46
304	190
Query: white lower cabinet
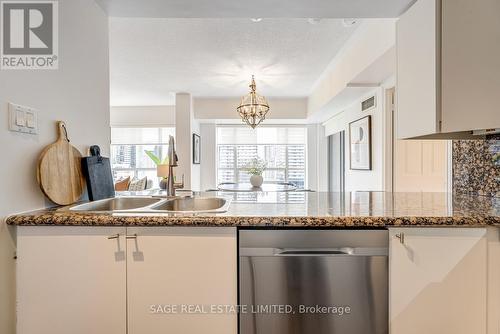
174	275
71	280
438	280
108	280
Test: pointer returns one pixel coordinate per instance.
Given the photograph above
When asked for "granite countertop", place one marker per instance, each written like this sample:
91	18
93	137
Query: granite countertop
296	209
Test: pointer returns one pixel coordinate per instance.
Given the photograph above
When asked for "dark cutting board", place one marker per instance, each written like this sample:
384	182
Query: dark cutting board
97	172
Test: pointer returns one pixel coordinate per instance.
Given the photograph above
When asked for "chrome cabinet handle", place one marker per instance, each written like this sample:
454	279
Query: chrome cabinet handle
401	237
133	236
115	236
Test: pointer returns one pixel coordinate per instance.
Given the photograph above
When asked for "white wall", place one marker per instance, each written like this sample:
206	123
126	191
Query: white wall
78	93
361	179
154	116
225	108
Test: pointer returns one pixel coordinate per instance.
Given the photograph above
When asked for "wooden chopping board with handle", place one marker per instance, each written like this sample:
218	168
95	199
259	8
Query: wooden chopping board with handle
59	170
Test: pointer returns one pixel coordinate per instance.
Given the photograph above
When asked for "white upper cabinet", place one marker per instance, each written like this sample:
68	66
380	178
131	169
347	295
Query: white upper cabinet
448	68
417	82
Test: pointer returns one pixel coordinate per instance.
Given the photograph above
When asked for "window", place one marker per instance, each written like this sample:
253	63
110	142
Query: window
128	146
283	148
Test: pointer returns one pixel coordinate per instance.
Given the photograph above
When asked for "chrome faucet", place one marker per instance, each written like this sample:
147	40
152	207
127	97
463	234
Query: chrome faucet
172	162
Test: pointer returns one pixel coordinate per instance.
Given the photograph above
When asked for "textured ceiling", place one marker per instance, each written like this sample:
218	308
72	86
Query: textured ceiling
255	8
151	59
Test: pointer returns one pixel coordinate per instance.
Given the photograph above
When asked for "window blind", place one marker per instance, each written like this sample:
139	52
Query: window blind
261	135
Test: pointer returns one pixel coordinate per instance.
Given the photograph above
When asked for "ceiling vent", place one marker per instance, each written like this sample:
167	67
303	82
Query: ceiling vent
368	104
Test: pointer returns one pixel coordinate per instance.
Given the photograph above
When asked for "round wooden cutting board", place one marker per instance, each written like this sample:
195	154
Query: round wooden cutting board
59	170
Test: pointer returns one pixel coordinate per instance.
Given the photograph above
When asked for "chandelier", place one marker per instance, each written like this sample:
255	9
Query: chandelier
253	107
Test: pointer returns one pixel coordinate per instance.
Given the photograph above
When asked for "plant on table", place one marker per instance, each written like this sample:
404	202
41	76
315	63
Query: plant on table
256	168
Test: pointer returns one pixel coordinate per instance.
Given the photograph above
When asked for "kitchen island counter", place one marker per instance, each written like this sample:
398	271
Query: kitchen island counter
299	209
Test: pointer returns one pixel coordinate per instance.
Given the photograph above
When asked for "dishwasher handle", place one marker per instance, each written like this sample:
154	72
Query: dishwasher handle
339	251
313	251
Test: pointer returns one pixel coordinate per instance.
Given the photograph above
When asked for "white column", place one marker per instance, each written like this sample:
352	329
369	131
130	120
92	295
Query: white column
322	159
312	157
208	173
317	158
185	126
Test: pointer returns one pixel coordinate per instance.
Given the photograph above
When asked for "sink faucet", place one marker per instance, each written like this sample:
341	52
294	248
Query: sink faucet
172	162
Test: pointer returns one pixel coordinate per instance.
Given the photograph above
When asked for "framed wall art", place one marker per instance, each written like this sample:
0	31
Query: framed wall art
360	144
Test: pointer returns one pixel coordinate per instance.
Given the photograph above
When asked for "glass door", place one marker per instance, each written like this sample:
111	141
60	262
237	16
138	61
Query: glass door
336	162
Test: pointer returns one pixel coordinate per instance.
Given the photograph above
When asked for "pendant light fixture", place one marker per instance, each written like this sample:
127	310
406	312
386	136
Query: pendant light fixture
253	107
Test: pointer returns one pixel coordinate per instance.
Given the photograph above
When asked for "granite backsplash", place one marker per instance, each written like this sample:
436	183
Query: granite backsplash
476	166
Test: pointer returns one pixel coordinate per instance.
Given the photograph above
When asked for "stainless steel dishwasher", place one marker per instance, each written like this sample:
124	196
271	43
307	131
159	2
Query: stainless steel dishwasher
313	281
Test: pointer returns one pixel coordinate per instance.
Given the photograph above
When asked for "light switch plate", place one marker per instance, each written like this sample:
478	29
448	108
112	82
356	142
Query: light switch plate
30	120
23	119
20	119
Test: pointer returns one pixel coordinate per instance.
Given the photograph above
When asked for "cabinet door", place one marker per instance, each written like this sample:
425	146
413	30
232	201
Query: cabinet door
438	280
417	112
493	237
470	65
71	280
180	267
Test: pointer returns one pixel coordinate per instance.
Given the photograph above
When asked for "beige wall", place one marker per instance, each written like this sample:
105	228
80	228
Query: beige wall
78	93
225	108
143	116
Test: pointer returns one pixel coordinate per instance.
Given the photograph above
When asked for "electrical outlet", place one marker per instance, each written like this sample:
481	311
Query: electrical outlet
23	119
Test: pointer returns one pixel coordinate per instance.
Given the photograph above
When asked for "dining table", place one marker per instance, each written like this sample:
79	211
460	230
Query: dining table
265	187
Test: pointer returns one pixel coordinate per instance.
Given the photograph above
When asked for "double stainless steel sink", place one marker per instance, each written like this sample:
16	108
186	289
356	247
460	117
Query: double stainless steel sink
189	205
